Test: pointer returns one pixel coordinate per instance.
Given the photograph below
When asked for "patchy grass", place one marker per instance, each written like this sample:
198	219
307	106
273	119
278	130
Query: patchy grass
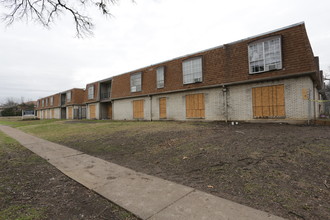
282	169
22	212
31	189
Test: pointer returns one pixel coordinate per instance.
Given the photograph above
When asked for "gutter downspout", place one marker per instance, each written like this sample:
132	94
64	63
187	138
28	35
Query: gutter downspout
224	94
150	96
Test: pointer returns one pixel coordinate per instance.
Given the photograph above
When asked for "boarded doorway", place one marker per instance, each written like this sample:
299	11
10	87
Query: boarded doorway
138	109
162	108
268	102
92	112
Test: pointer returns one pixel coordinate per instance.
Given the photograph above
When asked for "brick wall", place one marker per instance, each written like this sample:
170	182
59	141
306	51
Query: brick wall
225	64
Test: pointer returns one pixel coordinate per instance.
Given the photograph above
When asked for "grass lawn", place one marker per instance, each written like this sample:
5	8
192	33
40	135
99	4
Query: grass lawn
32	189
278	168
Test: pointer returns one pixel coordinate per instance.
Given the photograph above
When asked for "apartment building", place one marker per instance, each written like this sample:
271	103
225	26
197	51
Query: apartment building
272	76
64	105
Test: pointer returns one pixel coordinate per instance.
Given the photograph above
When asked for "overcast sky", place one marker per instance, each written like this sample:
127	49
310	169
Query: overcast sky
37	62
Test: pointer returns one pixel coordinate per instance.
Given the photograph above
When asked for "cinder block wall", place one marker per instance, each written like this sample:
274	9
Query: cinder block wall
239	102
240	99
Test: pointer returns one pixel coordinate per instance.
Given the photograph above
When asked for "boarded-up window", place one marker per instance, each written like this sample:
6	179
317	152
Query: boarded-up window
70	113
92	111
138	110
162	108
268	102
53	114
195	106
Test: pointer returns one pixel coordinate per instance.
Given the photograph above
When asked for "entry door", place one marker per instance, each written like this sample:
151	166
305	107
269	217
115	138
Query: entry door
162	108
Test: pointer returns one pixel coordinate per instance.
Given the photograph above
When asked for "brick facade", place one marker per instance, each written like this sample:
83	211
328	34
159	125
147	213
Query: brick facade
225	64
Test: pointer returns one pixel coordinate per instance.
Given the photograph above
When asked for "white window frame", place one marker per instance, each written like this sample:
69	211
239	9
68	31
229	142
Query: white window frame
68	96
192	70
43	103
265	55
47	102
91	92
160	77
52	100
136	82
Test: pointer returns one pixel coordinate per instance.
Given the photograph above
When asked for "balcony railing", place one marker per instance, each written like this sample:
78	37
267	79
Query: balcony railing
105	95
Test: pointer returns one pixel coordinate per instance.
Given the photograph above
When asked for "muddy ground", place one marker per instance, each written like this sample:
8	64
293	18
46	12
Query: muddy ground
282	169
30	188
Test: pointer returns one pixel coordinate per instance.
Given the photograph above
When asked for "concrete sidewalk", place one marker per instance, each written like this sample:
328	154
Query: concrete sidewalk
146	196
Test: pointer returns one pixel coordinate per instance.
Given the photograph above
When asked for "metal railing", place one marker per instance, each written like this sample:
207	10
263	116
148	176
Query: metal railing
105	95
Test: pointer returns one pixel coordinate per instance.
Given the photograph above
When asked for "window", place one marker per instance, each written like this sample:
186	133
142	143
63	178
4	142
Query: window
265	55
192	70
51	100
136	82
160	77
68	96
43	103
46	102
90	92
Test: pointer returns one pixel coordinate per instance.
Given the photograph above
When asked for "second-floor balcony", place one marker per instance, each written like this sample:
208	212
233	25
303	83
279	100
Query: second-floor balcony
105	95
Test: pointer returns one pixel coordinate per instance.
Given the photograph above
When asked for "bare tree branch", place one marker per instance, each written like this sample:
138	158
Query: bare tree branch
45	12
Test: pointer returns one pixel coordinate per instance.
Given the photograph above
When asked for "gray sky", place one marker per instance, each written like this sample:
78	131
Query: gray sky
37	62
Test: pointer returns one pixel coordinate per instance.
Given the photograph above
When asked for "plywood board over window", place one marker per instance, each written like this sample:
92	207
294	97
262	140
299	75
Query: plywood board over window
195	106
92	111
53	114
162	108
268	102
138	109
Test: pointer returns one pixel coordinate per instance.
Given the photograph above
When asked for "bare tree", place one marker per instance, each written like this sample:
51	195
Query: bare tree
45	11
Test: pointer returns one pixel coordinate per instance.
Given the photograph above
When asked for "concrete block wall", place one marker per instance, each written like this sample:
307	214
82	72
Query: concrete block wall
239	102
123	109
240	99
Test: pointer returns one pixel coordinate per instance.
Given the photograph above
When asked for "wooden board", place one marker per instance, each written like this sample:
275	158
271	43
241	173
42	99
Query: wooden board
53	114
70	113
138	109
162	108
195	106
109	111
92	111
268	102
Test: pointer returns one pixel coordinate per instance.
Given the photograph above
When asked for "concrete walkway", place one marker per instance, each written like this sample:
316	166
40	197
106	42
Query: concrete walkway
146	196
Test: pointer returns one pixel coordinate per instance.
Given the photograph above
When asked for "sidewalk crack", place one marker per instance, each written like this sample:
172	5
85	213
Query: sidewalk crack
193	190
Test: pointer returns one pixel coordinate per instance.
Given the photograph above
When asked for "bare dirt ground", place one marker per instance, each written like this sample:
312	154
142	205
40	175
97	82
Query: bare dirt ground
282	169
30	188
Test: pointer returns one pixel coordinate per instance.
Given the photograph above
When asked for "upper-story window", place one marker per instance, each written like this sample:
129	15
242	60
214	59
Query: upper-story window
47	102
192	70
43	103
91	92
68	96
52	100
265	55
160	77
136	82
38	103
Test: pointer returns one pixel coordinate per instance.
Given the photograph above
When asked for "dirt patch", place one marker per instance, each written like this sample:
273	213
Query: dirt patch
278	168
30	188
